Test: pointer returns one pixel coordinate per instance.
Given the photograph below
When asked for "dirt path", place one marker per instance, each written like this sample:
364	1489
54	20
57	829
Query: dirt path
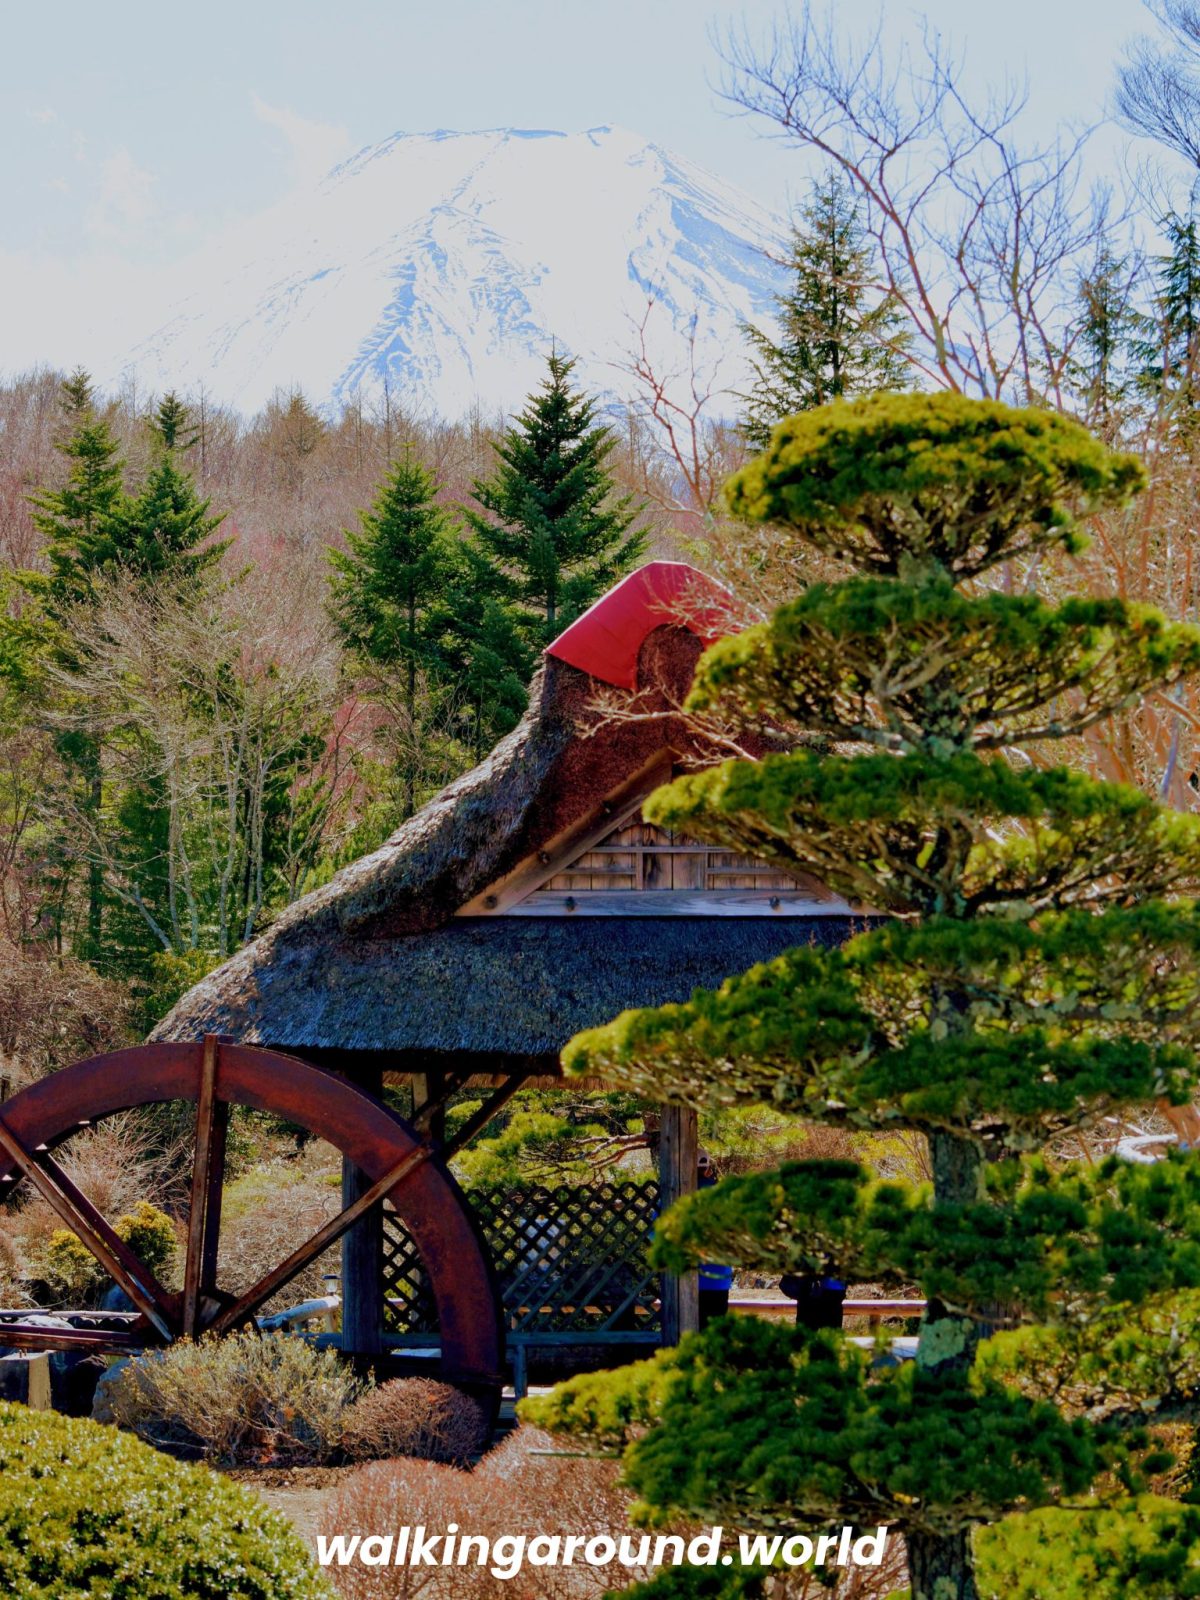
302	1494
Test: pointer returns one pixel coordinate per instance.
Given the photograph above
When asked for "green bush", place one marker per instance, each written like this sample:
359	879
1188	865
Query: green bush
89	1512
1148	1548
73	1272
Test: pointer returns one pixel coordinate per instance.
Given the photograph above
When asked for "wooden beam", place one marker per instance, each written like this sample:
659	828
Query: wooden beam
680	903
362	1255
82	1218
202	1185
558	852
247	1304
678	1157
431	1091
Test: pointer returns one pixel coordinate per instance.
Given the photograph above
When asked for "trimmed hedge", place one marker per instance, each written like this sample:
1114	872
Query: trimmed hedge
87	1513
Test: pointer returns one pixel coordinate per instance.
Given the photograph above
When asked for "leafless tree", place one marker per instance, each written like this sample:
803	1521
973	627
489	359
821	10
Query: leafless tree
978	237
208	702
1158	85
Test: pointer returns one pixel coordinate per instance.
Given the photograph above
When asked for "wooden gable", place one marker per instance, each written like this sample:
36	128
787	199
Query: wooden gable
619	865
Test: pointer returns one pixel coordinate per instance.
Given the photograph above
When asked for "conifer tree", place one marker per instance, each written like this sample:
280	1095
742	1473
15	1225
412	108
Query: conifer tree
163	530
1169	351
1100	364
387	590
94	528
551	525
79	514
838	336
487	659
1029	971
172	424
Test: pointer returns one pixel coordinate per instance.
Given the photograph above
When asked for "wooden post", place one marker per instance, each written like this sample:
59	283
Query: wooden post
678	1153
362	1256
426	1086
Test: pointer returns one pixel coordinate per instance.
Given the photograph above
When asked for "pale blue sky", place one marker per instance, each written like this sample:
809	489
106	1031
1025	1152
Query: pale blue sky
133	134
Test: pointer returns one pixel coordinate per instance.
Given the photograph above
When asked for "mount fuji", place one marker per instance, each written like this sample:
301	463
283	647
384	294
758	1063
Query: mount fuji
444	264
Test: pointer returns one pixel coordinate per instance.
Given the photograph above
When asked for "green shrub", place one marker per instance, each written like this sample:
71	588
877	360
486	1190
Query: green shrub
73	1272
150	1234
1148	1548
245	1400
87	1512
70	1268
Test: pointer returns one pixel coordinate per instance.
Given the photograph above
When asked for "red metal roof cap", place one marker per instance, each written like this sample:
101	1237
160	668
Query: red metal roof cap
606	639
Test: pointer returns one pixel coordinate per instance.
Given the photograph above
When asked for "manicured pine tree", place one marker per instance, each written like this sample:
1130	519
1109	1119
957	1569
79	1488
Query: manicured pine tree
1028	975
838	336
387	593
551	525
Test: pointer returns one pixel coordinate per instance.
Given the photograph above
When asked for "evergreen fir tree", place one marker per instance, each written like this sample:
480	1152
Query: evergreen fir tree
387	590
1029	973
1169	352
551	526
77	516
161	531
171	423
838	336
1100	358
487	660
94	528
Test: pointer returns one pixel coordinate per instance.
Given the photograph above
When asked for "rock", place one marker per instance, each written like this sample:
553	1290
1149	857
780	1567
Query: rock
102	1398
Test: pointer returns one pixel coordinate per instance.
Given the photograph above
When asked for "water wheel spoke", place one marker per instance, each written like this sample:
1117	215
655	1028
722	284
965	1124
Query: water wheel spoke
248	1303
83	1219
208	1178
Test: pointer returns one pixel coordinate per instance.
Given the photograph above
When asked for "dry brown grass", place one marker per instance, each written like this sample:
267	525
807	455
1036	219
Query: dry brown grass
268	1211
117	1163
55	1010
415	1417
518	1490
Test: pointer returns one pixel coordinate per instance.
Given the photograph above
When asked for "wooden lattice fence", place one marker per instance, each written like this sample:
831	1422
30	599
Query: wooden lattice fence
570	1260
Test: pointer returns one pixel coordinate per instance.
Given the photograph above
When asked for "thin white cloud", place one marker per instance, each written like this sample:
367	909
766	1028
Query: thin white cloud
313	147
124	198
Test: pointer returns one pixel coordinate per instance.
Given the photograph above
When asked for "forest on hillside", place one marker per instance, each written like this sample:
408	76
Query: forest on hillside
236	652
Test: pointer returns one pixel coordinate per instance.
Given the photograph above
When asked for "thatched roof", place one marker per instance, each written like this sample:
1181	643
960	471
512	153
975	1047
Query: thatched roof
504	986
376	961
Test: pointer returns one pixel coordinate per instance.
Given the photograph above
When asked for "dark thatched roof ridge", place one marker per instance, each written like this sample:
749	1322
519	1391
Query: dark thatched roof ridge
357	959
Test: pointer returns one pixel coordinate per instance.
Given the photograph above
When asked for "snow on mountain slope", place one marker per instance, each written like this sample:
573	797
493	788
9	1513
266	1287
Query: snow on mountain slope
446	262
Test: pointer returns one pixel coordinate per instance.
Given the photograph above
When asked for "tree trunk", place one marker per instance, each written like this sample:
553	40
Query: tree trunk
940	1566
958	1168
95	906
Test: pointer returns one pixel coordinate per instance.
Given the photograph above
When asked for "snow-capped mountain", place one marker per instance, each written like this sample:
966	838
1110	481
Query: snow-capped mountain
445	263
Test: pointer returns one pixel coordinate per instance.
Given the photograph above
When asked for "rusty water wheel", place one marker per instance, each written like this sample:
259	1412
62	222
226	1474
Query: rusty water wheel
400	1163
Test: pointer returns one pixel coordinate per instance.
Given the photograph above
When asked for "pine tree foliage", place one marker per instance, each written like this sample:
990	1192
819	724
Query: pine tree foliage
1168	352
1035	970
387	595
550	523
94	527
838	336
1101	357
